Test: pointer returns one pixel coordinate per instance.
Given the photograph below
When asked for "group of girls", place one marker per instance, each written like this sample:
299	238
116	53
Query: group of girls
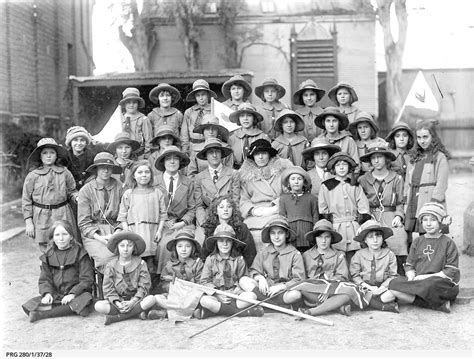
179	196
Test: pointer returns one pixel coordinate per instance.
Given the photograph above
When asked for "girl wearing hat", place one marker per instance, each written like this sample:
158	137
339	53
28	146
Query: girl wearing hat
240	140
201	94
343	95
224	210
427	179
328	287
290	145
222	270
270	92
384	190
47	190
123	148
333	122
432	267
319	153
126	280
165	96
260	186
343	203
237	91
298	205
135	123
400	140
306	99
374	266
98	208
277	266
66	277
178	191
143	211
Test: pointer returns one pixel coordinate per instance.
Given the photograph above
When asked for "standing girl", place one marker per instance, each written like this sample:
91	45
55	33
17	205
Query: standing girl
143	211
165	96
400	140
80	156
47	191
298	205
122	148
290	145
126	280
343	95
237	91
307	97
66	278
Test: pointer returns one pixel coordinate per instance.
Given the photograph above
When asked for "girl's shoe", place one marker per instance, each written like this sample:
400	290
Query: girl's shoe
142	315
445	307
345	310
157	314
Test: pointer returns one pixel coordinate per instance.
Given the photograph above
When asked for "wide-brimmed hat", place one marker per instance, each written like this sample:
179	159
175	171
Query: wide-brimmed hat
270	82
343	120
184	234
214	143
307	85
105	159
171	150
222	231
435	209
35	156
236	80
400	125
166	130
377	146
320	227
77	131
360	118
261	145
116	238
132	93
245	108
292	170
123	137
277	221
200	85
341	156
211	120
372	225
320	143
155	92
299	123
333	92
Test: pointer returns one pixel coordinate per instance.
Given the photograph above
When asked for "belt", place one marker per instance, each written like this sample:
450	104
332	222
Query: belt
196	140
425	184
107	221
49	206
385	208
146	222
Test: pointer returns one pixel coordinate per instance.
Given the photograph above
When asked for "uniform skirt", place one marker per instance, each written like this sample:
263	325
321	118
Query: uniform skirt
301	228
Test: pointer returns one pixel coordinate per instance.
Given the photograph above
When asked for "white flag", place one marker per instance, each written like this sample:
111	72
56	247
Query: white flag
222	112
111	128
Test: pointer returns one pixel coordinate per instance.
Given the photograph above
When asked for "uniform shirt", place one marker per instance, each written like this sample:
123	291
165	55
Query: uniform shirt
140	129
170	116
213	271
270	113
291	148
190	122
373	268
308	114
331	265
237	142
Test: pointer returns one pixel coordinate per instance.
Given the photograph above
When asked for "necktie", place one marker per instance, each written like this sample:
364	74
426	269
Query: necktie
246	147
373	277
126	124
309	125
106	199
171	188
291	155
276	267
273	118
182	269
404	166
227	274
216	177
199	117
319	266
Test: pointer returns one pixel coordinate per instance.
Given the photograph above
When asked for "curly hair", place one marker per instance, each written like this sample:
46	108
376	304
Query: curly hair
194	253
212	221
131	182
416	153
393	146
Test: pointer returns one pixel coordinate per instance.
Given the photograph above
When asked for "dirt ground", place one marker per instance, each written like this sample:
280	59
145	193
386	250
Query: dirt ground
412	329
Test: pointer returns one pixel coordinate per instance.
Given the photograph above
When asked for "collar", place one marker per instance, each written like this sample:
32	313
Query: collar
332	183
134	116
366	254
241	132
339	137
295	140
167	176
188	261
112	184
305	110
348	110
320	171
389	178
219	258
287	250
218	169
314	253
276	105
130	267
45	170
196	107
165	112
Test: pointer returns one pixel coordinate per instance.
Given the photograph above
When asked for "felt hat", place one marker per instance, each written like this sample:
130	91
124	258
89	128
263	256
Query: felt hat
320	227
200	85
222	231
35	156
372	225
400	125
261	145
123	137
292	170
132	93
184	234
214	143
171	150
116	238
236	80
377	146
307	85
77	131
333	111
155	92
166	130
277	221
211	120
341	156
433	208
270	82
360	118
299	123
332	94
245	108
105	159
320	143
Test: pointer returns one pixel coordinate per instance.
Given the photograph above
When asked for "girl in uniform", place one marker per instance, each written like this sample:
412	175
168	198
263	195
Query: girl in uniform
236	90
343	96
165	96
